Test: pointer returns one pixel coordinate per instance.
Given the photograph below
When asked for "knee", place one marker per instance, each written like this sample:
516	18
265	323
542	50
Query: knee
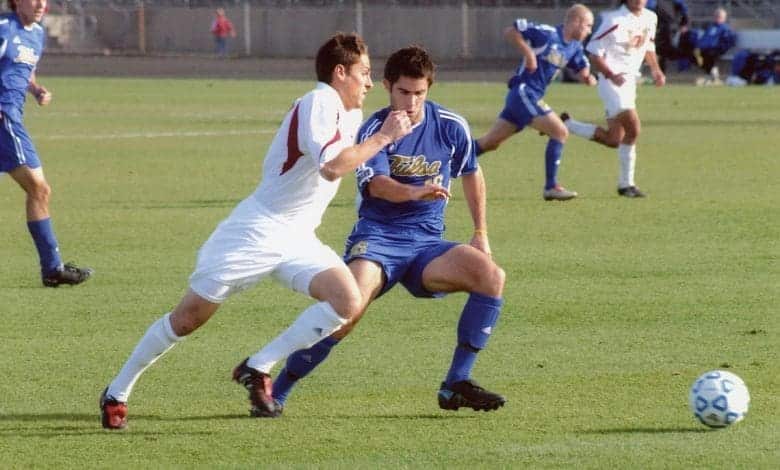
492	280
487	144
349	306
40	192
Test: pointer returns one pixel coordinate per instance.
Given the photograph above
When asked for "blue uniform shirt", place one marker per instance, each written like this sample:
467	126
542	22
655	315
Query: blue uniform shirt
20	49
718	37
552	54
438	148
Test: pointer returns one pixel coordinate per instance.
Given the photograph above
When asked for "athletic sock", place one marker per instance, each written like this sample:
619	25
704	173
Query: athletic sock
46	244
315	323
476	323
627	154
299	365
158	340
582	129
552	159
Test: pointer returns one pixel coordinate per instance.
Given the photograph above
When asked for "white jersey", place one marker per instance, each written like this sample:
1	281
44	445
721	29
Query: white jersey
314	131
623	39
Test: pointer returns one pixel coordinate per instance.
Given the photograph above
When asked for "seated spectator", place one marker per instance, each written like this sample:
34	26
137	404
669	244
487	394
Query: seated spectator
714	41
754	68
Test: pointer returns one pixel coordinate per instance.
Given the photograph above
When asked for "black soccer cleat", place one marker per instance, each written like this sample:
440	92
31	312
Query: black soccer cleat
630	192
69	274
565	116
468	394
113	413
260	388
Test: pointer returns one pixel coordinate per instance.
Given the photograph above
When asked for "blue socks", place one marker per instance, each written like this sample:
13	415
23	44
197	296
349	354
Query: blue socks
46	244
299	365
479	316
552	158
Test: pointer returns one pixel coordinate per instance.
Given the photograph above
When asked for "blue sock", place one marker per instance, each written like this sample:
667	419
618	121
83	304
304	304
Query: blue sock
46	244
479	316
299	365
477	149
552	158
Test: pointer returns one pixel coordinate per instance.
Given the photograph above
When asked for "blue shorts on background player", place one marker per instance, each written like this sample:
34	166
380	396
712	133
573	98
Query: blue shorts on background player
21	45
398	238
545	51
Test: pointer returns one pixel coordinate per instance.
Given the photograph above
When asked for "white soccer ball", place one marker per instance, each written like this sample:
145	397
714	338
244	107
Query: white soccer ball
719	398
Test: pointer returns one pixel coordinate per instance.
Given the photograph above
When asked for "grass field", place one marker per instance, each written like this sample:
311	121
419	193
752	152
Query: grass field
613	306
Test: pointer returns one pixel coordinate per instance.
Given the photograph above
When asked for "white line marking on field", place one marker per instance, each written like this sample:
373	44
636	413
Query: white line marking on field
153	135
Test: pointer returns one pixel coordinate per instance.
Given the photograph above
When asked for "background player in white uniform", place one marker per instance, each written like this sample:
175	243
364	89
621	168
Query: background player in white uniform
271	233
623	41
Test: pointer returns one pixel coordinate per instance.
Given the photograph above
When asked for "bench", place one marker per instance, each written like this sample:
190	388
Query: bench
758	40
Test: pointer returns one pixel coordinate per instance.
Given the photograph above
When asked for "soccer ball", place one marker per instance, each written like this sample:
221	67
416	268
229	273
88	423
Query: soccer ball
719	398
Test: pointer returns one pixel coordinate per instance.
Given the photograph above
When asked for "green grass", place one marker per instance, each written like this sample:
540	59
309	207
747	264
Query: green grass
613	306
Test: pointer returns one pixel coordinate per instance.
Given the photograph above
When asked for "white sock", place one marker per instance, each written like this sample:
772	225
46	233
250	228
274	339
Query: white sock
582	129
627	154
159	338
315	323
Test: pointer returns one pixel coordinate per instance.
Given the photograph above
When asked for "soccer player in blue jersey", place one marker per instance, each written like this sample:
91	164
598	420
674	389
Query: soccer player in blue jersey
545	50
398	238
21	44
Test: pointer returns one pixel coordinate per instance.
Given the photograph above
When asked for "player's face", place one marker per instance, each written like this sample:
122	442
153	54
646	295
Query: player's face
408	94
584	27
635	6
353	84
30	11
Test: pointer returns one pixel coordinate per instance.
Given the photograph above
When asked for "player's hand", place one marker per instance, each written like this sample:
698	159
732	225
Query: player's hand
430	192
590	80
42	96
659	78
618	78
480	241
396	125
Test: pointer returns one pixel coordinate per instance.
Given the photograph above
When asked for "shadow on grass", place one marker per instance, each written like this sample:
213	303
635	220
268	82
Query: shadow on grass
644	430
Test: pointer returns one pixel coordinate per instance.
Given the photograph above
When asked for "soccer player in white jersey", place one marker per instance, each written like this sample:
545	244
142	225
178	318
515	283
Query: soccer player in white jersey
623	41
271	232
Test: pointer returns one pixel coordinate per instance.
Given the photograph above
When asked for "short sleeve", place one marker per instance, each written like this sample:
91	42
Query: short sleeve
318	123
377	165
464	158
598	43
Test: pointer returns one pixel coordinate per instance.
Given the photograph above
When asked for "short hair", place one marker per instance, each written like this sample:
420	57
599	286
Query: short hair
340	49
576	11
413	62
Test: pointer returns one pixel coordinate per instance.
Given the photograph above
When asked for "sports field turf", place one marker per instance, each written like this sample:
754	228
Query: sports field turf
613	306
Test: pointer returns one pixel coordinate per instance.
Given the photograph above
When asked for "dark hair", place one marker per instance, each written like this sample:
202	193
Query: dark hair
412	61
12	5
341	49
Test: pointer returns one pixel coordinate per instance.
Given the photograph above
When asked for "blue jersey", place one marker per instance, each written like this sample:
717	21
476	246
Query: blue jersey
718	37
552	54
438	148
20	49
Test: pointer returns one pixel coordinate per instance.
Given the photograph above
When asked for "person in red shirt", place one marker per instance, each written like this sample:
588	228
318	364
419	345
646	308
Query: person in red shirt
221	28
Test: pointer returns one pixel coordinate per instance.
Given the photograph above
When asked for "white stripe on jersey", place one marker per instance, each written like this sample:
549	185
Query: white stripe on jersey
17	143
465	125
370	129
528	104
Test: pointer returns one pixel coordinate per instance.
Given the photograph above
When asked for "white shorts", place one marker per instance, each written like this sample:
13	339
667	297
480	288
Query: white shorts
617	98
250	245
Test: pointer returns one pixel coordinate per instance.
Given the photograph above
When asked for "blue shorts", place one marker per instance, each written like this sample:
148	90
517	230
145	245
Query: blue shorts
16	148
522	106
403	253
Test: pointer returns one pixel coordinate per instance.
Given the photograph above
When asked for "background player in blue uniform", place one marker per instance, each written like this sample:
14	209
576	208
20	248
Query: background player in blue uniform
21	46
545	51
398	237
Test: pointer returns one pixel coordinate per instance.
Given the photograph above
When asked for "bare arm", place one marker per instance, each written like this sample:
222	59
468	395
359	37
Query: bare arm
385	187
585	77
41	94
655	70
516	39
396	125
601	65
475	192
